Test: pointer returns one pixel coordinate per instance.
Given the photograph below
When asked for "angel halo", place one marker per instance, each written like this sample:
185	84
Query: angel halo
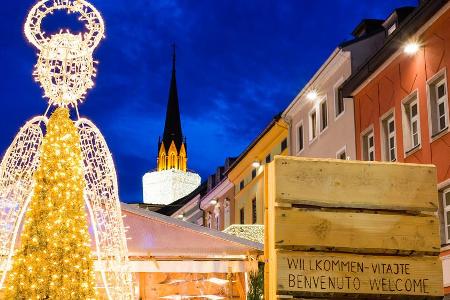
65	70
65	67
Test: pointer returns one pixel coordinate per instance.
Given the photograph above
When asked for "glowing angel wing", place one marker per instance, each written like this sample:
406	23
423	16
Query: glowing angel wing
103	203
16	185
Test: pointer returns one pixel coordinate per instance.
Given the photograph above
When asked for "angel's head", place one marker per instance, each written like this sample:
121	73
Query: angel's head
65	67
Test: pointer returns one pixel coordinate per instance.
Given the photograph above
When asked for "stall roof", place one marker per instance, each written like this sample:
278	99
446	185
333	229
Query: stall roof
159	236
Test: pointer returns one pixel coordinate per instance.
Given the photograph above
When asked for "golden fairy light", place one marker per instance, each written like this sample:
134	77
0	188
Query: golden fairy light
54	260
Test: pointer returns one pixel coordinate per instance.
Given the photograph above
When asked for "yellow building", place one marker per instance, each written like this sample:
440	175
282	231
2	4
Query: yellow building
247	172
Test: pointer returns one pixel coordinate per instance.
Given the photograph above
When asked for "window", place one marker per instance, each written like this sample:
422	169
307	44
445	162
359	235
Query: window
338	101
268	159
253	173
392	28
254	212
312	125
300	138
217	219
388	133
283	145
323	115
368	145
241	185
208	220
411	125
242	216
342	154
227	213
438	105
446	205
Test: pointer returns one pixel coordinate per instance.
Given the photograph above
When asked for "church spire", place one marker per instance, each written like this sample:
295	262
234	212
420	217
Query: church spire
172	142
172	128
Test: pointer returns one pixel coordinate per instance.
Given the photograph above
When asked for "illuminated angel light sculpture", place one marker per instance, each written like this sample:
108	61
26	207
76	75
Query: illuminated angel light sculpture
65	70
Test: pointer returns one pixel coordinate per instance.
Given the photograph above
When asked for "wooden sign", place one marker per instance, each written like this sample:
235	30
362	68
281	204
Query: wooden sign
335	228
320	272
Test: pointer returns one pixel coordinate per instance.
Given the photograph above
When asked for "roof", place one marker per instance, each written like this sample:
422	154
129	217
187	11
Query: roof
411	22
172	127
274	121
170	209
366	26
156	235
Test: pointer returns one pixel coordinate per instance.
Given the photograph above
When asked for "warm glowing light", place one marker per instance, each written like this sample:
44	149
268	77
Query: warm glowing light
312	95
256	164
411	47
217	281
65	67
180	216
213	202
55	241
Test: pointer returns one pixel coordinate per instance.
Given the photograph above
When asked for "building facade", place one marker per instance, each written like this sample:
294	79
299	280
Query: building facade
172	180
321	121
247	172
401	103
218	203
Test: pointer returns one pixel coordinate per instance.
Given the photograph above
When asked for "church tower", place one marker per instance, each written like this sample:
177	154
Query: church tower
171	180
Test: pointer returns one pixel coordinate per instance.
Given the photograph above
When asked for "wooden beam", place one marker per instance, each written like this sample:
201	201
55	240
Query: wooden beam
356	232
270	278
338	183
240	285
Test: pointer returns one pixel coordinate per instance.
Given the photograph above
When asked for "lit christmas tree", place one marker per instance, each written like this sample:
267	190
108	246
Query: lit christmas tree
54	260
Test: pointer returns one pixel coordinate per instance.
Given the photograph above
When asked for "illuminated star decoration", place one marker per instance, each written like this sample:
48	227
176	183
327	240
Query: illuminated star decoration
65	70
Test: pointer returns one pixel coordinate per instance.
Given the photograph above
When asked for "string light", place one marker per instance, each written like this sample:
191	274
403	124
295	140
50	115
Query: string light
65	67
55	237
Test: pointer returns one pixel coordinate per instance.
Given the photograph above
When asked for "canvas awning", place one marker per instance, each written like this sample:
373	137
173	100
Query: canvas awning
158	243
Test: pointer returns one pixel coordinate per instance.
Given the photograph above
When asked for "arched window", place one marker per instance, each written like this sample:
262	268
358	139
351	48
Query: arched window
217	216
208	220
182	163
162	162
227	213
173	158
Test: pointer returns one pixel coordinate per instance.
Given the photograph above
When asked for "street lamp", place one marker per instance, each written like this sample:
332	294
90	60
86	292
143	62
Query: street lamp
411	48
256	164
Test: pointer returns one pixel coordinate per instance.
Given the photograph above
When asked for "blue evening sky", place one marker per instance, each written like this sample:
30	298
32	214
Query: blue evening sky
238	64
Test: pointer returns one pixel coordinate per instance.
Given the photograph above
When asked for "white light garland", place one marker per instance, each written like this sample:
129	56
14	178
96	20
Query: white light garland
165	187
251	232
65	68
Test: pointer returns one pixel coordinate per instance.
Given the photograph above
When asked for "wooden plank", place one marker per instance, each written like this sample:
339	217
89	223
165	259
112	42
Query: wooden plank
240	285
319	272
356	231
355	184
270	270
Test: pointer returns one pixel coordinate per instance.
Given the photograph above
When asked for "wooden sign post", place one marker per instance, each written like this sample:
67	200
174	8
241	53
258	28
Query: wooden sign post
343	229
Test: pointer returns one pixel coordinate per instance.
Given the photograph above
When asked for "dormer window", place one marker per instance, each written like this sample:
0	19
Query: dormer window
392	28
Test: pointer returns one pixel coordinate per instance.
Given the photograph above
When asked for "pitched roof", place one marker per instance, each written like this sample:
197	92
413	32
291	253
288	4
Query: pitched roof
237	160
